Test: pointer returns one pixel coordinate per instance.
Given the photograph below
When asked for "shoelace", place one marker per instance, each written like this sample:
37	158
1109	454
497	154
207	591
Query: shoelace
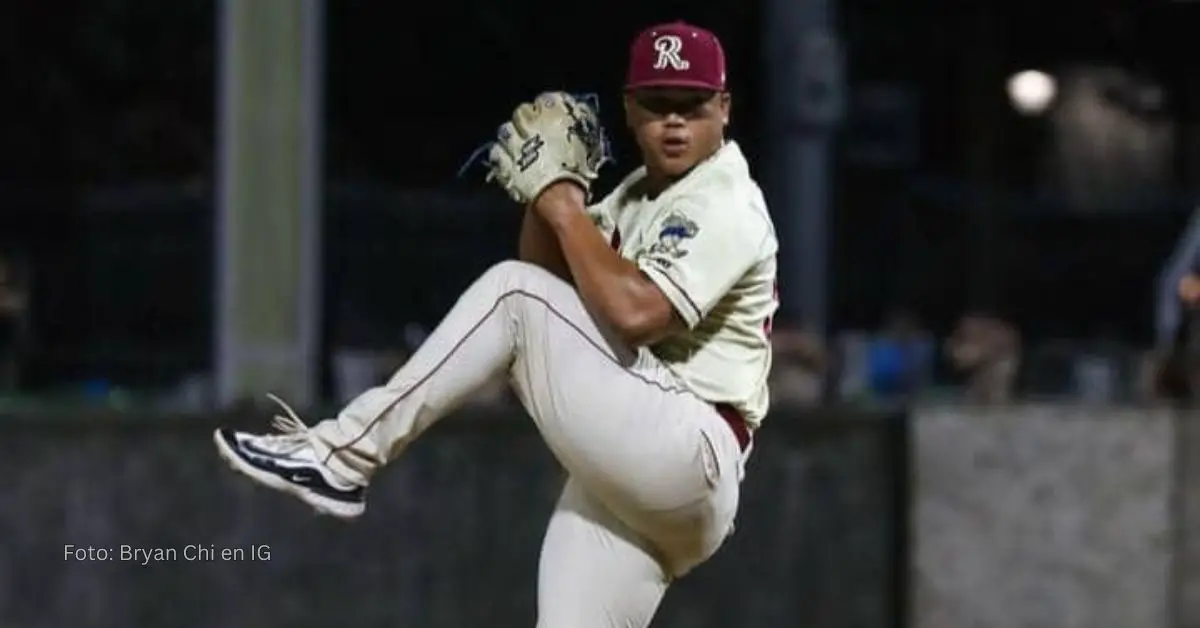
293	433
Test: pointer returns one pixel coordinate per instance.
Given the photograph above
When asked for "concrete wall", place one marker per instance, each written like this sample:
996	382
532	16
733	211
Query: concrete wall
450	538
1186	547
1033	516
1043	516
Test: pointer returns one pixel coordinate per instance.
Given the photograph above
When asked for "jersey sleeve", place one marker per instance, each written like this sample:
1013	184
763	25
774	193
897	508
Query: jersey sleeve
698	254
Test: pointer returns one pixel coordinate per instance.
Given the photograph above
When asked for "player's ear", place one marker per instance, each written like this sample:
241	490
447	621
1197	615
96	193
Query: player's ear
626	104
726	104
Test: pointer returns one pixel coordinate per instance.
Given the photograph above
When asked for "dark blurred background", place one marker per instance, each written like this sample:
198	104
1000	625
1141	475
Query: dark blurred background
944	196
988	200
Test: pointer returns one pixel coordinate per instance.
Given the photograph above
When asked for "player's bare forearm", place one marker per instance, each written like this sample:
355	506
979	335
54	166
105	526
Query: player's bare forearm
610	285
538	245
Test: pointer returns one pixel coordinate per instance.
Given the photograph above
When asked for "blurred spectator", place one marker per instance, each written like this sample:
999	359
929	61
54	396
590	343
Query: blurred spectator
899	357
800	364
1173	373
1189	289
1098	368
14	320
1175	367
988	351
1156	377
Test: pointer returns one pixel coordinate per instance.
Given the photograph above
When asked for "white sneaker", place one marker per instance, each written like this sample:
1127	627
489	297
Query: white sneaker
289	462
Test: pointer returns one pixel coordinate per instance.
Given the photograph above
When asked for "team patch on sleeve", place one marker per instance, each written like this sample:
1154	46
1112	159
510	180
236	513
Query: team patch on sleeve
695	255
673	235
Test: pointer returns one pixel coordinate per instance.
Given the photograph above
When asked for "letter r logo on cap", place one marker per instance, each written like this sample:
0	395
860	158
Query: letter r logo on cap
668	48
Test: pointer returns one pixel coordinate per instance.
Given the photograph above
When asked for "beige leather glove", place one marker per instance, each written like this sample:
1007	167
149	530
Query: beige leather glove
551	139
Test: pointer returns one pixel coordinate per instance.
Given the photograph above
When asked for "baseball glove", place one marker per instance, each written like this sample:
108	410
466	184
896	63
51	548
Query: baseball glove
556	137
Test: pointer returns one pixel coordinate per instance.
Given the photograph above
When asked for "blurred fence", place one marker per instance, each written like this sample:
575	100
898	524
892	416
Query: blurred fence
123	278
450	538
940	248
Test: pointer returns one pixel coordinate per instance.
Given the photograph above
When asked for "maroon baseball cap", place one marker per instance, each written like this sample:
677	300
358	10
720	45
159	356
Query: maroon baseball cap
676	55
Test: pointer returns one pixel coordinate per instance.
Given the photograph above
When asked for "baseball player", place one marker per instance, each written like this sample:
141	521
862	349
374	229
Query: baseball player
645	373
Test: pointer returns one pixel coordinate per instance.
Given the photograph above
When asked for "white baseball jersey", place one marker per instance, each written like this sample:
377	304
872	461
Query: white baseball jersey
709	244
654	470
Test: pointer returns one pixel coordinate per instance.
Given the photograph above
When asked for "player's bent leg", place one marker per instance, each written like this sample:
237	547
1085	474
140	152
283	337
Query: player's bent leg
330	464
594	571
478	341
660	457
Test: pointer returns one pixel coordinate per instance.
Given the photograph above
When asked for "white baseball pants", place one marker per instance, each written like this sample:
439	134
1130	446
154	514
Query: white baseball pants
654	470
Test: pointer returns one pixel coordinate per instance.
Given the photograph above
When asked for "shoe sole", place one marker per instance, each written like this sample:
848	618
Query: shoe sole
320	503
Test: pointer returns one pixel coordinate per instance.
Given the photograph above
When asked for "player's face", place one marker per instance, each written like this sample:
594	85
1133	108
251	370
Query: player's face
676	128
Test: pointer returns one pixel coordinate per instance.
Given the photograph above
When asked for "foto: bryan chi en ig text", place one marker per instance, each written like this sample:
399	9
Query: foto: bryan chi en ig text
196	552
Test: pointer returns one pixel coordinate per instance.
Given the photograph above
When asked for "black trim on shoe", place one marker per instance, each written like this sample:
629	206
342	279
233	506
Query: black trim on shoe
307	477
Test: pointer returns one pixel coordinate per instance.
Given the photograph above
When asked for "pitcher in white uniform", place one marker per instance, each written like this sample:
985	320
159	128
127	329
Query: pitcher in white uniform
645	373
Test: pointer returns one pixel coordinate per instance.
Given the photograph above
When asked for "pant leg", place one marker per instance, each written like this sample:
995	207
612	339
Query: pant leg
594	571
618	422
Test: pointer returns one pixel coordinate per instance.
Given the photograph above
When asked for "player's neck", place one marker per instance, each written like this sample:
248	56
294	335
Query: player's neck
656	182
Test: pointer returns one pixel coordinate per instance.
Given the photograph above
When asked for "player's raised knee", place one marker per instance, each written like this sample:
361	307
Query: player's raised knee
518	275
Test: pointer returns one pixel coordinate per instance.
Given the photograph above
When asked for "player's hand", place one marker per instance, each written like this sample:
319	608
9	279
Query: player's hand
551	139
1189	289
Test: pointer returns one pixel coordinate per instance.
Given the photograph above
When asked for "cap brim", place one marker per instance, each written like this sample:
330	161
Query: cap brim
677	83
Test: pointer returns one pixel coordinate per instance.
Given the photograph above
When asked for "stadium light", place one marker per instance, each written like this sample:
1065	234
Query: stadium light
1031	91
